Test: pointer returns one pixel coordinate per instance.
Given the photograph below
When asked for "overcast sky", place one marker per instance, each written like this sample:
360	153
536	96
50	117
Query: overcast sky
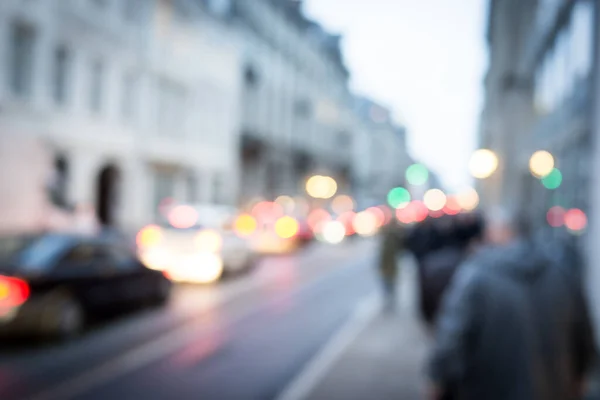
425	59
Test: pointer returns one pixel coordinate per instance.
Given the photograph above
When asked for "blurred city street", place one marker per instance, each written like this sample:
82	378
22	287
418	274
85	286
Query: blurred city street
299	199
248	338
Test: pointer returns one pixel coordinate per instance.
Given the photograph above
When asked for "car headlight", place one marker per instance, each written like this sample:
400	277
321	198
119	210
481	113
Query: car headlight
200	268
208	241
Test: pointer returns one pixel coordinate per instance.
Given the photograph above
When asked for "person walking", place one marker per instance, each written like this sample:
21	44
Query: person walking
514	325
392	245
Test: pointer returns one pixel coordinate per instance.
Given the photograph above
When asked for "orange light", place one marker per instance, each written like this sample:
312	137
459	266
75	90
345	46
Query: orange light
183	217
342	204
575	220
286	227
149	236
208	240
452	206
245	225
365	223
378	214
468	200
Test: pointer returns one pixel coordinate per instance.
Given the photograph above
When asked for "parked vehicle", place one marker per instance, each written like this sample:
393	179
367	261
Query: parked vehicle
51	284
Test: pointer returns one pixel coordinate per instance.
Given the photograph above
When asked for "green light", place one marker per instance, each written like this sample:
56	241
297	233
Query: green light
417	174
552	180
397	197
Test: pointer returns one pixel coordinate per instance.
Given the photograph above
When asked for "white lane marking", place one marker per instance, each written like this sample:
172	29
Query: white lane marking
149	352
316	369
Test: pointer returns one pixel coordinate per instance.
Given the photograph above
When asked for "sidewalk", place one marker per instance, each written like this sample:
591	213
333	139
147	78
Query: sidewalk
387	358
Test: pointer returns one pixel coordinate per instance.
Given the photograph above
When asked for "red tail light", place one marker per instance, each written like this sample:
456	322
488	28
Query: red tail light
13	292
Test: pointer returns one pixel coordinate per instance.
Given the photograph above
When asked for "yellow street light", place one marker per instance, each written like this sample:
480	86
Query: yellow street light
321	187
483	163
541	163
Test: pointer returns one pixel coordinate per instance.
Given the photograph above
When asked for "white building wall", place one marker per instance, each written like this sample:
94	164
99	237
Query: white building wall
202	61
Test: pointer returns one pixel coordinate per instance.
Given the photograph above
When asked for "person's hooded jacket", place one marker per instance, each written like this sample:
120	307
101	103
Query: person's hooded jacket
514	325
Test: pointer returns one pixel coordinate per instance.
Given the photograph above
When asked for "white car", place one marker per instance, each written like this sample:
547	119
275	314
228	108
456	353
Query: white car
197	245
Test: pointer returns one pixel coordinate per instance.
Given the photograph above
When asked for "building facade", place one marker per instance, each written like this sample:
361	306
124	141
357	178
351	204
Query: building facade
380	152
297	111
542	93
538	97
121	93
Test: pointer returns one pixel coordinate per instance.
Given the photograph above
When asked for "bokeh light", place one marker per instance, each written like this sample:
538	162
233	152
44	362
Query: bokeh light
208	240
553	180
452	206
436	214
541	163
149	236
321	187
468	199
556	216
420	210
575	220
398	197
267	211
286	227
333	232
417	174
406	215
183	217
317	217
245	225
365	223
286	202
483	163
434	199
186	269
347	219
379	215
342	203
387	213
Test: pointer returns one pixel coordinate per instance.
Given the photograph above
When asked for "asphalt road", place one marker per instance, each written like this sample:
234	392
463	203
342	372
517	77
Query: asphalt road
243	339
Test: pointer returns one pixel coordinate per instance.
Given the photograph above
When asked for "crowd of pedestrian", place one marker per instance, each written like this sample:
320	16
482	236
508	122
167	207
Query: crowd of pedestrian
506	308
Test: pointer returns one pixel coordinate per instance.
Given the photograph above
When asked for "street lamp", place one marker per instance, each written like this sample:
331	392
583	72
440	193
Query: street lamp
483	163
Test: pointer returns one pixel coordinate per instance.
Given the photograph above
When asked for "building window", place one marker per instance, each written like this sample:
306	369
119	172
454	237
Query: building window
96	88
21	59
59	75
128	97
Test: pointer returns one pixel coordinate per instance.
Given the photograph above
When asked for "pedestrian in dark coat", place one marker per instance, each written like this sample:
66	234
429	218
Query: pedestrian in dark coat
514	325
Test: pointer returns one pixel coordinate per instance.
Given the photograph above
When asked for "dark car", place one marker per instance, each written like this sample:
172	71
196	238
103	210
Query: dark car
50	284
